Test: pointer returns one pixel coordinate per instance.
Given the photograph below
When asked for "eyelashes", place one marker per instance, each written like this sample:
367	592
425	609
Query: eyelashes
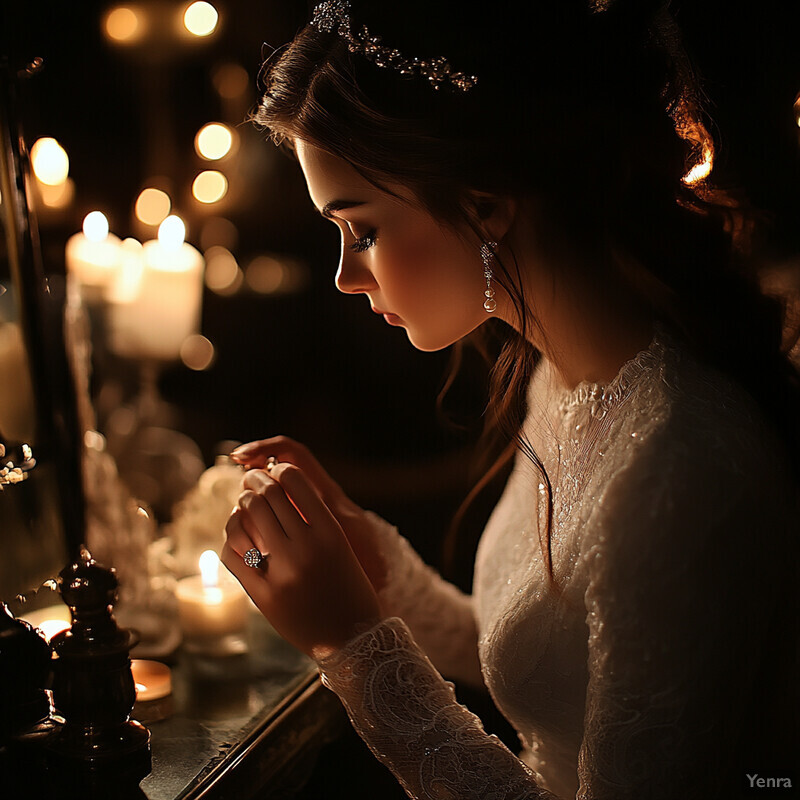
364	242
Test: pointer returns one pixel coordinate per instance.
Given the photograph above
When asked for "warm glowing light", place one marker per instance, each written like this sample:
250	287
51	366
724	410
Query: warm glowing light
213	141
200	18
210	186
797	110
50	161
152	679
218	231
56	197
197	352
265	275
702	169
50	621
95	226
51	627
222	271
172	232
152	206
231	81
125	286
209	569
123	24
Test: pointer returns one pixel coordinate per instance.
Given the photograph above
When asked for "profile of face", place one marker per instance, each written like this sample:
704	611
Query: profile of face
416	271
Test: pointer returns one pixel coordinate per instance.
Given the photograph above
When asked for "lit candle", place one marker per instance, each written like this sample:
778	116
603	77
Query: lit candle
152	679
93	256
156	303
212	609
50	620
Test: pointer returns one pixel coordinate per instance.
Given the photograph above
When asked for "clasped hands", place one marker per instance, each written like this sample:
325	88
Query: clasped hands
318	586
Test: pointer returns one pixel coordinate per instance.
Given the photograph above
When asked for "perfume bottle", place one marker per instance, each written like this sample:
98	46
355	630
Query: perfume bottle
93	688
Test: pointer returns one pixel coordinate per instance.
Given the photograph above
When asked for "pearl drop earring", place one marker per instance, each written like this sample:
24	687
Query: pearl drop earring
487	256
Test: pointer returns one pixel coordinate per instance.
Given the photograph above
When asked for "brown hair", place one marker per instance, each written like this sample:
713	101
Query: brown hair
594	112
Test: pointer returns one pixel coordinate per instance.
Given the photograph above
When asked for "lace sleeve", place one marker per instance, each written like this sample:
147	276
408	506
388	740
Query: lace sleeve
440	616
679	596
409	717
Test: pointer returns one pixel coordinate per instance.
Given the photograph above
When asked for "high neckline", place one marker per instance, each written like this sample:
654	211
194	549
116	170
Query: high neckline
600	396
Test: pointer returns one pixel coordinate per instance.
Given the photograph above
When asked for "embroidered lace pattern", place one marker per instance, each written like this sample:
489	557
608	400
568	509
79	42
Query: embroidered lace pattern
618	686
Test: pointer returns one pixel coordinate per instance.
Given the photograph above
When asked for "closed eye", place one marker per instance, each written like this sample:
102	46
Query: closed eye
364	242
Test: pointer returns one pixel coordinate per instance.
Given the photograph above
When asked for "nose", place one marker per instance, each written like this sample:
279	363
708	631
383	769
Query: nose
353	277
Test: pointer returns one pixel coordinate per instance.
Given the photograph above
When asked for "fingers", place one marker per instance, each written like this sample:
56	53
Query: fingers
255	455
242	533
302	495
270	503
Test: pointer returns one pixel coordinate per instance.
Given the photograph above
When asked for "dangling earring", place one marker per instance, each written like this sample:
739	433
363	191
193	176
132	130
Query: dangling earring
487	256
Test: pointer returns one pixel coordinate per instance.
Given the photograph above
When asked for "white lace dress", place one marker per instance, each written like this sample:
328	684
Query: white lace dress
669	505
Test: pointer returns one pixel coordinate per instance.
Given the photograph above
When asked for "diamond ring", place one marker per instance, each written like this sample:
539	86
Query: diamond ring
254	558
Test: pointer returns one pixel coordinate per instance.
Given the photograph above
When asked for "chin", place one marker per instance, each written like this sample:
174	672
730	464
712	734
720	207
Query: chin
430	341
430	344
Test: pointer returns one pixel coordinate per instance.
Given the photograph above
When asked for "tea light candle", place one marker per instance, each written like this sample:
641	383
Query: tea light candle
50	620
212	609
153	680
93	255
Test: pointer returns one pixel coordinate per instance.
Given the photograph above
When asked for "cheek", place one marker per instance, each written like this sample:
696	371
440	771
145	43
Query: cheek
427	267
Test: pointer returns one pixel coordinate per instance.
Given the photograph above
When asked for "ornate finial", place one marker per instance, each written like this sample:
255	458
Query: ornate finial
333	16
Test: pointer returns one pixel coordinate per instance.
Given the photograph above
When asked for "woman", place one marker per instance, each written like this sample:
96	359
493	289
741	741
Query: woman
628	613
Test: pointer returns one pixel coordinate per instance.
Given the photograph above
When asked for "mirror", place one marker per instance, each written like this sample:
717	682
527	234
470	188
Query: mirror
41	517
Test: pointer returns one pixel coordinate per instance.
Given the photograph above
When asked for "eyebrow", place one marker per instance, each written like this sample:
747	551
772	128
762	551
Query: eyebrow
338	205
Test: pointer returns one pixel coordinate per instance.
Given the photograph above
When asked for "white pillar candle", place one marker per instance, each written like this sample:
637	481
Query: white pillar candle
123	312
170	293
93	256
212	609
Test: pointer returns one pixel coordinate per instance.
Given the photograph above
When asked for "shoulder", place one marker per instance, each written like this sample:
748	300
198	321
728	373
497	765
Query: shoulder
687	421
690	465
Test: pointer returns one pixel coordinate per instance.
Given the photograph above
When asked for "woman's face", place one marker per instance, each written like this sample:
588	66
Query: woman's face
415	271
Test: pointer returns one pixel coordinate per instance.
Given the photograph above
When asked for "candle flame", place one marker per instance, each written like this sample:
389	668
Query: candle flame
95	226
50	161
209	569
172	232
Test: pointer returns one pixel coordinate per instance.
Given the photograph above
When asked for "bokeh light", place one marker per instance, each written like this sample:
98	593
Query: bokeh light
210	186
152	206
213	141
222	275
197	352
200	18
265	275
231	81
219	231
50	161
124	24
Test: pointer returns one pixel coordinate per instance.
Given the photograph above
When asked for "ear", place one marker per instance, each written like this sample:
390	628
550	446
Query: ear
492	214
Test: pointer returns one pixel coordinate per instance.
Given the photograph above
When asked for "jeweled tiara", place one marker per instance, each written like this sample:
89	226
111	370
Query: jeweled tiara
334	16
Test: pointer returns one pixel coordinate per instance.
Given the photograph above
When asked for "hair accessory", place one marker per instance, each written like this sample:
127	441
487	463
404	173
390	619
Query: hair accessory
333	16
254	558
487	256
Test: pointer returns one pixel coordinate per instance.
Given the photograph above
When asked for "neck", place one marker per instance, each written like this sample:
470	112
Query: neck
586	329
